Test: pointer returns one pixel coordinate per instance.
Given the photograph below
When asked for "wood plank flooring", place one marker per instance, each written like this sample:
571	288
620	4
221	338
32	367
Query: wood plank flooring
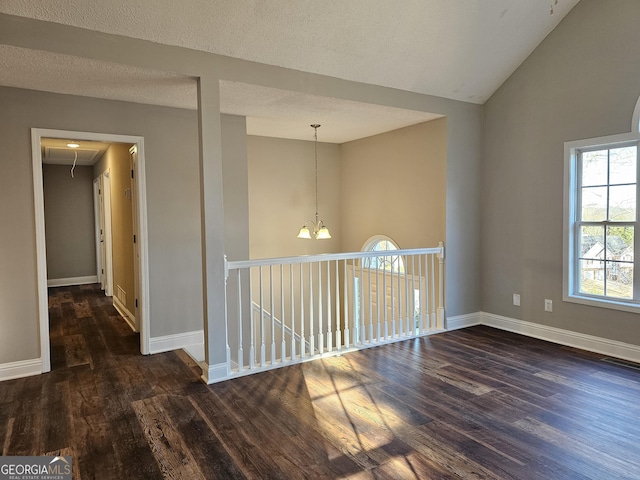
476	403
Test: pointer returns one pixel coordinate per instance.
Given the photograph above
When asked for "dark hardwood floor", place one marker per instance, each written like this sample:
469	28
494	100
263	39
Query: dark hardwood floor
476	403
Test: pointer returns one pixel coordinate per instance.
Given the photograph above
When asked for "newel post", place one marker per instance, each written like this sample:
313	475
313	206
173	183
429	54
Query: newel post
441	318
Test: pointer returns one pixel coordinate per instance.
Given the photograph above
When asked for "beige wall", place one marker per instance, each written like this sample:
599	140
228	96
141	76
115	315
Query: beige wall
394	184
282	195
69	222
583	81
116	160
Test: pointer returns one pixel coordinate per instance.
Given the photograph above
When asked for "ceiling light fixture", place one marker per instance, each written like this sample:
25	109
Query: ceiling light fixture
73	145
320	231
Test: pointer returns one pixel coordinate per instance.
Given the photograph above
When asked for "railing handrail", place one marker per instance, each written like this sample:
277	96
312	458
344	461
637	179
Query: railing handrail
328	304
324	257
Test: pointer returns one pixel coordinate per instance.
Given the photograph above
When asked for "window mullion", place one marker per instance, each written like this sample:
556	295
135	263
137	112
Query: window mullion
636	237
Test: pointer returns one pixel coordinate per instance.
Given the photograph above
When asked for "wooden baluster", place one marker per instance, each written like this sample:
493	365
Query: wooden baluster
240	340
384	301
346	306
283	345
338	326
370	303
272	311
293	313
329	323
320	302
303	340
312	337
263	352
252	324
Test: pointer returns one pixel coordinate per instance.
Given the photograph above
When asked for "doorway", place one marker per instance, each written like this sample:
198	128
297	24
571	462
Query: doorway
141	237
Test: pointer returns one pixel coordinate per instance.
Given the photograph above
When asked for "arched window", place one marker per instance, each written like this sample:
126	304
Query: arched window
389	263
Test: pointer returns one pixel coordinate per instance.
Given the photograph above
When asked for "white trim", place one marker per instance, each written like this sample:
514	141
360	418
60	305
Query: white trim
143	244
41	257
41	249
569	214
591	343
371	241
23	368
125	313
635	119
191	342
215	373
108	238
464	321
96	226
66	282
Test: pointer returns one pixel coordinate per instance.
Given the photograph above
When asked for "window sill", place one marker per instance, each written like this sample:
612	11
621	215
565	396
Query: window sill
621	305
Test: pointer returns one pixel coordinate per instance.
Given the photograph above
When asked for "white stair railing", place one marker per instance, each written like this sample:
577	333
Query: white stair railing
286	310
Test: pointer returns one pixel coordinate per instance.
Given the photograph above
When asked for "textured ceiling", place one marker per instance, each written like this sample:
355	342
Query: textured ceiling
52	72
281	113
459	49
56	152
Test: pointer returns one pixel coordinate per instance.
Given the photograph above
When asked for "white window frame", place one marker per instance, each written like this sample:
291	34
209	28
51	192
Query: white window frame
570	248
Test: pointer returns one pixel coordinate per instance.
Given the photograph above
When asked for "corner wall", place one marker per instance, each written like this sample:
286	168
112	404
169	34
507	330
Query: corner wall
582	81
282	196
394	184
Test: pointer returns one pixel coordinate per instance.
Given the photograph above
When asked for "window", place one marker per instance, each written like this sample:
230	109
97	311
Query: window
391	263
601	216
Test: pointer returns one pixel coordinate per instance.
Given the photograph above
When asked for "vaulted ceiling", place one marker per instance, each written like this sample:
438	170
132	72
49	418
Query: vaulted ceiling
457	49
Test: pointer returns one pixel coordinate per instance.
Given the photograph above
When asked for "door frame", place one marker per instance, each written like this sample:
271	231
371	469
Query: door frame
41	255
105	225
97	193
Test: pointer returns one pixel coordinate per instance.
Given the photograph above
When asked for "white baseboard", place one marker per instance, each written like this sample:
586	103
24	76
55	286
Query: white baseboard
124	312
24	368
568	338
463	321
66	282
214	373
191	342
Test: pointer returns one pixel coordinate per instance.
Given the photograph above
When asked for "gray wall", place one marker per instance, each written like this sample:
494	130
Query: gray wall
185	196
583	81
69	222
172	198
236	186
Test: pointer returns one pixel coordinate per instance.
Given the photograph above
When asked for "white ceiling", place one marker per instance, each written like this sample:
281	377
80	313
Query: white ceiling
56	152
459	49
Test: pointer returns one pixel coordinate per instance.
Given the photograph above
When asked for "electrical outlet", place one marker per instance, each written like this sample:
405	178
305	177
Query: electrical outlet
516	299
548	305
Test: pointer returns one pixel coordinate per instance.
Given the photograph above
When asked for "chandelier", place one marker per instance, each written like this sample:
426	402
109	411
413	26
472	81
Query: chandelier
319	229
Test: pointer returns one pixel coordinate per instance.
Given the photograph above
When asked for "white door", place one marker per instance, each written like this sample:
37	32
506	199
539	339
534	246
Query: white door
133	157
106	233
98	209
